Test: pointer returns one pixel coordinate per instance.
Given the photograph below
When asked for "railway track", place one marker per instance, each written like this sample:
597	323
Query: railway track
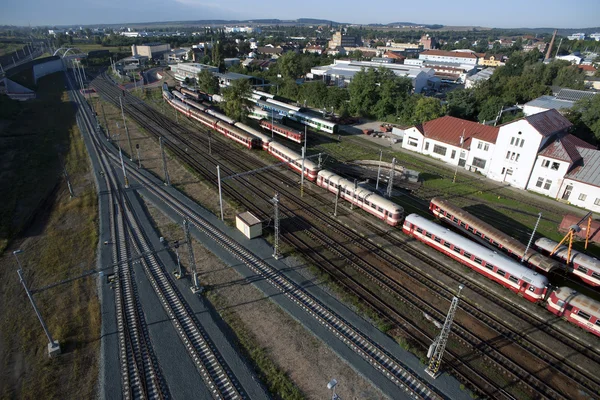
382	360
502	332
140	378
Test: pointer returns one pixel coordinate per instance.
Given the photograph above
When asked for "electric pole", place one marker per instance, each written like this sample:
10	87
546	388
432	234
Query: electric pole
275	201
531	238
126	130
379	170
186	228
220	192
391	180
436	350
164	159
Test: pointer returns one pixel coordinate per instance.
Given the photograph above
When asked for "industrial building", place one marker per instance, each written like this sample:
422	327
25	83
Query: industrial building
151	50
190	70
342	72
341	40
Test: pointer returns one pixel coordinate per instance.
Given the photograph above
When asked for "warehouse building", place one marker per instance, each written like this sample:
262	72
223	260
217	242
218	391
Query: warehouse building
151	50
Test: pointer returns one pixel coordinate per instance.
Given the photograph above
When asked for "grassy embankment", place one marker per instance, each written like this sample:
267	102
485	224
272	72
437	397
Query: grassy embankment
58	236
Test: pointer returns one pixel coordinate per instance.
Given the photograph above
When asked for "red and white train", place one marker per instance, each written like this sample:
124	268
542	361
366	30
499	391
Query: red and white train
294	160
585	267
384	209
575	308
495	266
282	130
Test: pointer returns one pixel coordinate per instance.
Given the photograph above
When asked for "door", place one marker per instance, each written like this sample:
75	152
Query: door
567	192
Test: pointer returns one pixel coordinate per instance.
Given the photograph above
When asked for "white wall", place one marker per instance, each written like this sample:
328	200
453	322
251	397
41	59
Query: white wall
543	168
592	193
501	167
413	136
480	153
430	144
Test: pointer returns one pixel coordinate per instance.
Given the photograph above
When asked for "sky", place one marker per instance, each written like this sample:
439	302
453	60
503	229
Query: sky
496	14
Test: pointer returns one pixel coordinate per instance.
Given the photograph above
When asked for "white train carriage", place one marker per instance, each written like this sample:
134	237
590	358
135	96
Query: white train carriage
181	107
167	95
575	308
222	117
495	266
179	95
283	105
203	118
372	203
258	113
264	139
316	123
585	267
260	94
294	160
194	104
237	135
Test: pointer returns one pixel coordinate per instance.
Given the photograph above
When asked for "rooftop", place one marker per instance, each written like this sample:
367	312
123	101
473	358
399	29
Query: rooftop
550	102
450	130
565	148
574	95
589	170
448	54
548	122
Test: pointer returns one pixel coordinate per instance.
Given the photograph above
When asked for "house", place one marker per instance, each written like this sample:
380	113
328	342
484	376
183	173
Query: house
450	139
555	160
545	103
459	58
313	49
518	144
394	55
274	52
588	70
492	60
572	58
581	186
481	76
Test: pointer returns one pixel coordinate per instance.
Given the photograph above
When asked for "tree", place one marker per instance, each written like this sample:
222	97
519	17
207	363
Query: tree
462	104
490	108
570	77
236	103
207	82
289	65
588	112
426	109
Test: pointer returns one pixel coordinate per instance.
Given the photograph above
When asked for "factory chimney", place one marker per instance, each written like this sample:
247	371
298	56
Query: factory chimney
549	52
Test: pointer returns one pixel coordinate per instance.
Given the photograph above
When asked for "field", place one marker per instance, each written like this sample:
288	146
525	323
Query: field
58	236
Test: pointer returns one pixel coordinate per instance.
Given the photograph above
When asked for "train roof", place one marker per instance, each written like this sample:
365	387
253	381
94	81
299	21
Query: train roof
283	104
263	94
316	119
499	260
276	107
178	94
232	128
275	123
293	155
195	104
584	303
252	131
220	116
576	256
361	192
180	104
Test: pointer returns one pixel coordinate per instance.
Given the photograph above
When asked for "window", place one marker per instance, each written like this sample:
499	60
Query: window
582	197
548	184
500	272
426	145
456	249
539	182
428	235
582	269
437	239
412	142
489	266
479	145
512	141
468	255
595	275
522	142
597	201
517	158
513	279
507	155
477	260
437	149
478	162
512	155
503	169
583	315
486	147
555	166
447	244
453	154
545	163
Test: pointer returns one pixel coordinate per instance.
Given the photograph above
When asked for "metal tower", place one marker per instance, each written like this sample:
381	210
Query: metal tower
275	201
532	235
391	180
188	238
436	350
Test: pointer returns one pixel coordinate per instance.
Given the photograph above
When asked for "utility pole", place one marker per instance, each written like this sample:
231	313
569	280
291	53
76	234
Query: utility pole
391	181
531	238
302	175
66	174
337	196
123	167
188	238
53	347
379	169
436	350
220	192
164	159
275	201
179	273
462	141
137	148
126	130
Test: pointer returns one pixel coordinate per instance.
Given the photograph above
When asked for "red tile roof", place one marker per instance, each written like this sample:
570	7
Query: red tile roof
565	148
589	68
548	122
393	54
449	53
450	129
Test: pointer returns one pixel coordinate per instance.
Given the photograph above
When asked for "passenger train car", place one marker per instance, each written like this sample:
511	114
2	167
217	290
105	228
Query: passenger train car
482	231
575	308
503	270
585	267
282	130
384	209
264	139
294	160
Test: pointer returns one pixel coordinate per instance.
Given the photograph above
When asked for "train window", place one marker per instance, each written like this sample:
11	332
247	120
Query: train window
380	209
489	266
583	315
477	260
596	275
455	220
470	229
468	255
456	249
463	225
447	244
419	230
437	239
582	269
449	216
513	279
428	235
374	206
560	303
531	288
500	272
478	233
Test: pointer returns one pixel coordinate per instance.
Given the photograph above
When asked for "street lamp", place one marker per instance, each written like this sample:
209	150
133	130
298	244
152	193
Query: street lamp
331	386
53	347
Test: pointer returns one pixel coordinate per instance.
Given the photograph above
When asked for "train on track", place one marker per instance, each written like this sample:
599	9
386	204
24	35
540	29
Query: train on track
564	302
585	267
386	210
282	130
